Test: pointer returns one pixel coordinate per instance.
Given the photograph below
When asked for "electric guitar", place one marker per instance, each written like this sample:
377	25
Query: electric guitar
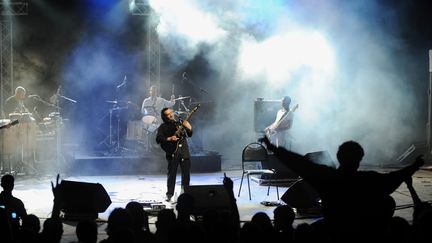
10	124
272	131
168	147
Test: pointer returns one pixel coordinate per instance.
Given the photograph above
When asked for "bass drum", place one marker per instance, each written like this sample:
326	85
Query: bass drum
135	130
148	120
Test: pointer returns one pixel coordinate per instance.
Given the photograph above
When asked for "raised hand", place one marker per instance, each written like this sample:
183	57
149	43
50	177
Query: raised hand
267	142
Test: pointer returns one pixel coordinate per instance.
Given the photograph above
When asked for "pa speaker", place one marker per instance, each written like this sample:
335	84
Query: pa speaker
301	195
208	197
82	198
322	158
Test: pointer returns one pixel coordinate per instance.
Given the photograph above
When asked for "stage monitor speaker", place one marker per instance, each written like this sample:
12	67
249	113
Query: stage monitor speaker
83	199
322	158
208	197
282	171
265	113
301	195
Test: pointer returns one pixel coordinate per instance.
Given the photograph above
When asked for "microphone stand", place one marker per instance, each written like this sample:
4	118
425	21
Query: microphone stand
45	102
67	98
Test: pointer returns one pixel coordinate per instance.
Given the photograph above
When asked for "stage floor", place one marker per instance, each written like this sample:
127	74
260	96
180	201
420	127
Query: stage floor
35	192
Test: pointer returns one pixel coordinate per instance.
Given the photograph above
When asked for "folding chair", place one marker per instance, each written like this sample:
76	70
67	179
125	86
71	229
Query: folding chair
251	155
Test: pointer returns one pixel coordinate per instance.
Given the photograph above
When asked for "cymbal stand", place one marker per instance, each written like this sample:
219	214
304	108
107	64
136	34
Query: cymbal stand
117	148
184	106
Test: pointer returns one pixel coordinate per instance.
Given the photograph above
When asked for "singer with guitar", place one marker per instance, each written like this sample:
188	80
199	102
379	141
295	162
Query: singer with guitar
277	131
171	135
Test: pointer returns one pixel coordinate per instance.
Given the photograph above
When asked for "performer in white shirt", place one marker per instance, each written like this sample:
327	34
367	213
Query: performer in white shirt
277	131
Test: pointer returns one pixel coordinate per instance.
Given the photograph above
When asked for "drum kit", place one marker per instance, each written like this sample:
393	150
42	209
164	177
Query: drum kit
20	145
144	131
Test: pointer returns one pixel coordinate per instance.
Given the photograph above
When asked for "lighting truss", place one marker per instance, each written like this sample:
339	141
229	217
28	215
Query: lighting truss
8	10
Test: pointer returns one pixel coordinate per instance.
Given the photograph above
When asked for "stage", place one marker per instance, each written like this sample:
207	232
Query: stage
35	191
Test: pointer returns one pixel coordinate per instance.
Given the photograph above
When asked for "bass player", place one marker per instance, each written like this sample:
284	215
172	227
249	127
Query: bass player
277	131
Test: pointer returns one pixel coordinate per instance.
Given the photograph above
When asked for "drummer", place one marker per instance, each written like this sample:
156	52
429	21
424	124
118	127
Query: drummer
152	105
17	103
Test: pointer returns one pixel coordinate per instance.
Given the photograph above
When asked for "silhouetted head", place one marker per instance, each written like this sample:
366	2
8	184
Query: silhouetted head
286	101
283	217
52	230
119	219
165	219
86	231
349	155
31	222
7	182
185	204
139	216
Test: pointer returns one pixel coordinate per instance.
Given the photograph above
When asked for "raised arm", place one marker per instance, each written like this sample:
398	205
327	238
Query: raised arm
395	178
301	165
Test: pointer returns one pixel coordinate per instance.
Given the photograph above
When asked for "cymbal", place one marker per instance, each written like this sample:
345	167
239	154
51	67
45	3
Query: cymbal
182	98
118	101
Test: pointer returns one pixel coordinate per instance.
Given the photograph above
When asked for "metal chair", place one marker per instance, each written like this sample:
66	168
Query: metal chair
251	155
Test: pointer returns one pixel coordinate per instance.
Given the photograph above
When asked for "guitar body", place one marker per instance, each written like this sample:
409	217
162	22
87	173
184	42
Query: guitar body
172	147
275	128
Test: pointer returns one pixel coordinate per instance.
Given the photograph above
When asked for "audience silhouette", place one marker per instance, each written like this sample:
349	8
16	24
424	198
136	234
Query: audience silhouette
13	206
354	203
357	206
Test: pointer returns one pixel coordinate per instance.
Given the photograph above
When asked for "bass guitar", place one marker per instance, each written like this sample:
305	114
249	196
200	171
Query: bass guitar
269	132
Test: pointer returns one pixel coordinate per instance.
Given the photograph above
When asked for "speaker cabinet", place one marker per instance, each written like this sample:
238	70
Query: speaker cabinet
301	195
83	200
265	113
208	197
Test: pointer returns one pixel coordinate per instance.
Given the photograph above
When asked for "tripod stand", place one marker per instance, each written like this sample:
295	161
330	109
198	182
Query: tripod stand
114	146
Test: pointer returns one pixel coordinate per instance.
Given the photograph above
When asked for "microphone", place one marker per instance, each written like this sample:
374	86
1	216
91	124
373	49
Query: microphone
32	96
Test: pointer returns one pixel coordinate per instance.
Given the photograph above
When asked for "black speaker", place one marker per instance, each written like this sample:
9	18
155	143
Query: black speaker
208	197
301	195
265	113
322	158
282	171
83	199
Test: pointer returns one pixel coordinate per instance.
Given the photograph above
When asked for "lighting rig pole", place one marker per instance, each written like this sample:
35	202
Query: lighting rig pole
8	10
140	8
